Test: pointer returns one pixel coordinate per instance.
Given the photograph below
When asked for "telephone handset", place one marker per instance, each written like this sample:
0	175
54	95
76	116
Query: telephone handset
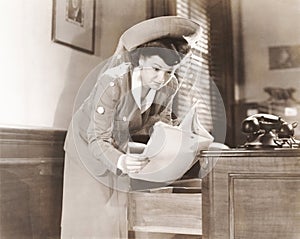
267	130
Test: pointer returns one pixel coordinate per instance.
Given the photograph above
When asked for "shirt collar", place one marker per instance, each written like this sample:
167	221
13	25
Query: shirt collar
136	89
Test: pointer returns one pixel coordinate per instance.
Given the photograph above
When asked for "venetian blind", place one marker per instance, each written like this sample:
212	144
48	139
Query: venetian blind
196	86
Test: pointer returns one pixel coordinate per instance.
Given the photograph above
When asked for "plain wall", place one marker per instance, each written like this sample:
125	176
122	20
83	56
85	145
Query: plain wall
264	24
40	78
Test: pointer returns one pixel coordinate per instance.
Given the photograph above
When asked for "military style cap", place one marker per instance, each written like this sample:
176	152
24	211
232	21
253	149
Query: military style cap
155	28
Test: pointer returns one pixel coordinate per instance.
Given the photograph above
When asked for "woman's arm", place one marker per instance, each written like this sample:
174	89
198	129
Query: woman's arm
100	140
100	132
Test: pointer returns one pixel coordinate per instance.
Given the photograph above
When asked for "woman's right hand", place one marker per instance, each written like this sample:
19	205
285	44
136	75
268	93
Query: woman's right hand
132	163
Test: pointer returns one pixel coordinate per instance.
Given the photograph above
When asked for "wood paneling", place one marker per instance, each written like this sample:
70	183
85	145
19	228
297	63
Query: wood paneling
273	209
31	173
31	143
252	194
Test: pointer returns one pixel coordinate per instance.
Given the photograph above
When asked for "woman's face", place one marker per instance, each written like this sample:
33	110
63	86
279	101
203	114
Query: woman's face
154	71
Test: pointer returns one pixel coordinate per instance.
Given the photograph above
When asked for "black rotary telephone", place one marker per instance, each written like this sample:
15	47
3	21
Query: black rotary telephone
266	130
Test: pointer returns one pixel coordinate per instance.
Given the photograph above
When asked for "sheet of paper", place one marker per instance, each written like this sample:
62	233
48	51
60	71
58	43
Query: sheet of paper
171	151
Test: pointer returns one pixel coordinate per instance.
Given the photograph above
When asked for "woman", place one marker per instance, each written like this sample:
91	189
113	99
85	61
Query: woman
134	90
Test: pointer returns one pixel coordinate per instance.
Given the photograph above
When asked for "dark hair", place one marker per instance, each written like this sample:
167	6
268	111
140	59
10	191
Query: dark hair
171	50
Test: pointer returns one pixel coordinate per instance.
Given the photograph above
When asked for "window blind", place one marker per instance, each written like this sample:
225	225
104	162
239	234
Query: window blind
196	86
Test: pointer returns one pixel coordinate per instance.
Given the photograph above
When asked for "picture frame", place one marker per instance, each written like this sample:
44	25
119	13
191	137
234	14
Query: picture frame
284	57
73	24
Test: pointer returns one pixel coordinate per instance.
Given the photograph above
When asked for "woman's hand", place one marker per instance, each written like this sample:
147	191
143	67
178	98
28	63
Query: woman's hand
132	163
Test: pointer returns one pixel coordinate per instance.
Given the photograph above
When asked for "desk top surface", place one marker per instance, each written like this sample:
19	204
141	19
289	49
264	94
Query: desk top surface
243	152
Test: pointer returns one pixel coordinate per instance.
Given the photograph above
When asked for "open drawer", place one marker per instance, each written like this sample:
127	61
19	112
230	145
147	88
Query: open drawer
174	209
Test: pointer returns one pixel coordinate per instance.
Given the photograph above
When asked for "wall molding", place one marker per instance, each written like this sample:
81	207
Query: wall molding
31	143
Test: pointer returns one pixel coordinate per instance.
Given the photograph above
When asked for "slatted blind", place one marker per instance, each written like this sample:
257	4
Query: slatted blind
196	86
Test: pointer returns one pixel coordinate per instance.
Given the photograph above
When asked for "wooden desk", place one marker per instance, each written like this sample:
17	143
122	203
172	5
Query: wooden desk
252	194
170	212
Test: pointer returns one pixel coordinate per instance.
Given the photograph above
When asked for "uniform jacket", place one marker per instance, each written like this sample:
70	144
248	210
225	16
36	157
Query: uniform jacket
109	118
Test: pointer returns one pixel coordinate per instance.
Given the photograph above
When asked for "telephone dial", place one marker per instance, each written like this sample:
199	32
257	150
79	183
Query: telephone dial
269	131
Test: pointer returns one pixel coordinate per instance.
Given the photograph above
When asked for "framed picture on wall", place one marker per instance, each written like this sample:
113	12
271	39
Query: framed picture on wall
73	24
284	57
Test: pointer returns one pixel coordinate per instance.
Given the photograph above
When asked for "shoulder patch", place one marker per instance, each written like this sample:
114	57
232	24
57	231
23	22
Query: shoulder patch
119	70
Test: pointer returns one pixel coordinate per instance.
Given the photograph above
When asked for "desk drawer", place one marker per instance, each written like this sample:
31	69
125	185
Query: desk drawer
164	211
